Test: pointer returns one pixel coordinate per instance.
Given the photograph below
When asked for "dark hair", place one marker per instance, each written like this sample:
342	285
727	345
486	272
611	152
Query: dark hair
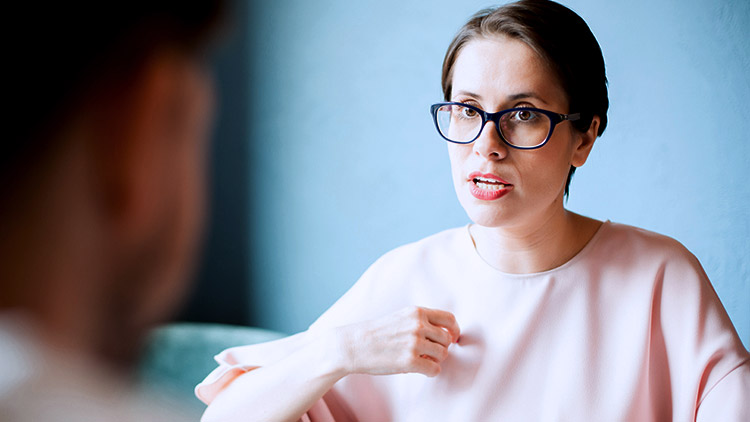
561	38
62	51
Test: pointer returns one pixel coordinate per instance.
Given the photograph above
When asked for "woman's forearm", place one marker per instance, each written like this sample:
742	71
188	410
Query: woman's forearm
412	340
284	390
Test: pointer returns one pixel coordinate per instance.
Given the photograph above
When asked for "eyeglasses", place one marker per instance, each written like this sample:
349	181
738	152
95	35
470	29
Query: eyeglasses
522	128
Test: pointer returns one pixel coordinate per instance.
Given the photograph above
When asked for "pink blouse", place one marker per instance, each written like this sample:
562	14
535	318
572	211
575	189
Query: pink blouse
629	329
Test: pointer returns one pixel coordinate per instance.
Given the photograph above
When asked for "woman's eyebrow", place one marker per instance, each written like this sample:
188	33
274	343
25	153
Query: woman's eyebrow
469	94
523	95
514	97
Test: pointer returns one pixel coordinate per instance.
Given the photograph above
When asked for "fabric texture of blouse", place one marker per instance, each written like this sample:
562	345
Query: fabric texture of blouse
628	329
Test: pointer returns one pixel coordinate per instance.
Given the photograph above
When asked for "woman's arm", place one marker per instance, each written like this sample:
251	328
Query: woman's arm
411	340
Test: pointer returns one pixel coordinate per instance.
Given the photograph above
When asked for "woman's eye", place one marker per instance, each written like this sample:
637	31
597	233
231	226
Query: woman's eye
468	112
525	115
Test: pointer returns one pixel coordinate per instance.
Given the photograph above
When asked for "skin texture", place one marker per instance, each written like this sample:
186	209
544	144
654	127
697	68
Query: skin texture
527	230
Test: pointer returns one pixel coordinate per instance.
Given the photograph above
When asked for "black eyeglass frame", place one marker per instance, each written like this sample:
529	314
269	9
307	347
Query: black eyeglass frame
554	118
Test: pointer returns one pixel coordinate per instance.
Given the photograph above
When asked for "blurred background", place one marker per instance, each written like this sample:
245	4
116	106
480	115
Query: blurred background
325	156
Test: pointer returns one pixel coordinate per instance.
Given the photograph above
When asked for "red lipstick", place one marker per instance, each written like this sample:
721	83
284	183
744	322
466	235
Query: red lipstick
488	186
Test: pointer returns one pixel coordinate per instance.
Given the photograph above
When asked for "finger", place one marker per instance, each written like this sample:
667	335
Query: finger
444	319
433	350
429	357
438	335
426	366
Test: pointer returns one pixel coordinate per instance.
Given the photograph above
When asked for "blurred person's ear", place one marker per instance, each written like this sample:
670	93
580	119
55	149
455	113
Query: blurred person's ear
143	137
150	156
129	145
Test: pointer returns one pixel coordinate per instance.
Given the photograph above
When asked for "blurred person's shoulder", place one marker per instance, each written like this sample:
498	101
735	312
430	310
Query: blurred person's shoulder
39	384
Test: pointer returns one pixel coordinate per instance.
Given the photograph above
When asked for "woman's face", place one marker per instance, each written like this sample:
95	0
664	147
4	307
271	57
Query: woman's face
496	74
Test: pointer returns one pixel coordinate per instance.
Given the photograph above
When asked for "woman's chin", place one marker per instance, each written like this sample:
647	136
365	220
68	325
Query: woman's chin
483	213
487	216
488	222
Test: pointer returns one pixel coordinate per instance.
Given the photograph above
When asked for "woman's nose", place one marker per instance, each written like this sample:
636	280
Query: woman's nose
489	144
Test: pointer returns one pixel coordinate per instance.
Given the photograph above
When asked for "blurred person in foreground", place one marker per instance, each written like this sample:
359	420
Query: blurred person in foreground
103	168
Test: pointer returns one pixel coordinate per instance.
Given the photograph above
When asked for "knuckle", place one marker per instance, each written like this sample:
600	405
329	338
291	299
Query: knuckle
413	361
443	353
414	349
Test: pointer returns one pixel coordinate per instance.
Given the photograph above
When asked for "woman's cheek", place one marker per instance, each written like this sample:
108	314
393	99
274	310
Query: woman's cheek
457	160
549	183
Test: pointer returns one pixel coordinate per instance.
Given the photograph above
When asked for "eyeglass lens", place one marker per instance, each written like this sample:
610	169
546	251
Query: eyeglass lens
523	128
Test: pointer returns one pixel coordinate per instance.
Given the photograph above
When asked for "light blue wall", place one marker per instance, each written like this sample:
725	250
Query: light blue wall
345	164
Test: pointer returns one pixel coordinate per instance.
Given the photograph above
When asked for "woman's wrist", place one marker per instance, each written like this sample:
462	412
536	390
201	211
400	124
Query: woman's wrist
331	351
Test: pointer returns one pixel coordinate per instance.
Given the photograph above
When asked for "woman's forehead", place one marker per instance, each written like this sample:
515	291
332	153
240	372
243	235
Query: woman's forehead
500	67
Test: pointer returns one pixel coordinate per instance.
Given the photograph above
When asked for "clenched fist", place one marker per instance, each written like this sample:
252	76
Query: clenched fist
413	339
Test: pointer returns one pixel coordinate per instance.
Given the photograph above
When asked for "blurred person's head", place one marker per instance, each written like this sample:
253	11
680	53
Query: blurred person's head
103	165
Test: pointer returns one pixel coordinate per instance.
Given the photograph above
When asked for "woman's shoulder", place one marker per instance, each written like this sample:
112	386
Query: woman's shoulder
640	235
698	336
653	261
424	258
444	244
636	258
631	242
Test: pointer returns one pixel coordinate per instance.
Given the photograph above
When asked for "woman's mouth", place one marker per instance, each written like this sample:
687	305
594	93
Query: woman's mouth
488	184
488	187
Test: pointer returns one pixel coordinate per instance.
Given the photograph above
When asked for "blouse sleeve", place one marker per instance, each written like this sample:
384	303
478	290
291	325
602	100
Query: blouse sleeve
729	399
236	361
354	306
707	361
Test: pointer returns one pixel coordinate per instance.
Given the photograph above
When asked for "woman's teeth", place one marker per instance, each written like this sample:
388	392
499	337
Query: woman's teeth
488	184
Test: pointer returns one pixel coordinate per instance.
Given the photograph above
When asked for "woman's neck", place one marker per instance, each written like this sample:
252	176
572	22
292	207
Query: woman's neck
538	245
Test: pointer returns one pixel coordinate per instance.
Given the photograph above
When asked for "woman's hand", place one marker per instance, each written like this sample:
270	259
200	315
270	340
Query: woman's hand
413	339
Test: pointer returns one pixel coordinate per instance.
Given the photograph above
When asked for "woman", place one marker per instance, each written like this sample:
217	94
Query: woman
530	312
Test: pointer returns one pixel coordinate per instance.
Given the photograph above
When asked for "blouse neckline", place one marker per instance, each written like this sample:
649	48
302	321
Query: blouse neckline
586	250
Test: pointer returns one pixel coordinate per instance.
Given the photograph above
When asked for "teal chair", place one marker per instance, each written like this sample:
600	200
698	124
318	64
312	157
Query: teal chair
178	356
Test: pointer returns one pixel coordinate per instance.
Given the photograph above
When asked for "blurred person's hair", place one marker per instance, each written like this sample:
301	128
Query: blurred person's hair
61	55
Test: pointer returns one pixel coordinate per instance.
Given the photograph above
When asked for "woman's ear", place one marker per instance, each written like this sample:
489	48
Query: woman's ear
584	143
